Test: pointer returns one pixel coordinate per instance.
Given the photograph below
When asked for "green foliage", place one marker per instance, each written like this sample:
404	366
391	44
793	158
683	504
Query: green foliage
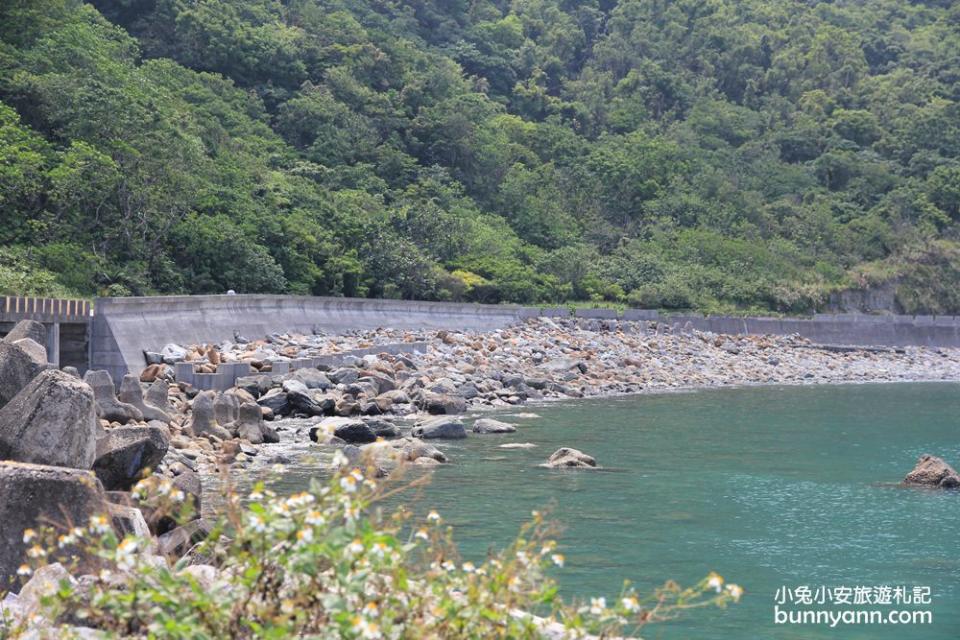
371	148
329	563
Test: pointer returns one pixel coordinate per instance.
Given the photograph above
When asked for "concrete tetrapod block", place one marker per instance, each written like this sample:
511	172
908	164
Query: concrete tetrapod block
33	496
51	421
132	393
17	369
108	406
27	329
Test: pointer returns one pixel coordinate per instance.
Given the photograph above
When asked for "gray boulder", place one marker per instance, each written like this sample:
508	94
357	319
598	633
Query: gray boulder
447	428
560	365
125	452
35	495
276	400
51	421
109	406
567	458
256	385
173	353
17	369
383	429
27	329
355	431
203	420
344	375
932	471
416	449
128	520
132	393
311	378
442	403
489	425
300	398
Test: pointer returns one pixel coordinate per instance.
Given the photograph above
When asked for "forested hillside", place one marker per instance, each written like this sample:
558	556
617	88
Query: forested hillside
710	154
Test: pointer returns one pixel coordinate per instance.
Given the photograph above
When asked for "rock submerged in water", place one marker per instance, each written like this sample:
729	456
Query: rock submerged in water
567	458
449	428
932	471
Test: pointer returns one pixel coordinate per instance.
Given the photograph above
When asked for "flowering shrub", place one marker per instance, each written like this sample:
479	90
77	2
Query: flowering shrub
329	563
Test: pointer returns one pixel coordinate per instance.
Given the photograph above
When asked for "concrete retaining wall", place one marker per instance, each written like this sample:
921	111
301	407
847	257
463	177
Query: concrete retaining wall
849	329
123	327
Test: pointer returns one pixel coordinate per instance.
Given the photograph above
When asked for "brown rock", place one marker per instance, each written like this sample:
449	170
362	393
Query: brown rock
932	471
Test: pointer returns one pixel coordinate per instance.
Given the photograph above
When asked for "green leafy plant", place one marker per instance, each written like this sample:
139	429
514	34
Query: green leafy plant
332	562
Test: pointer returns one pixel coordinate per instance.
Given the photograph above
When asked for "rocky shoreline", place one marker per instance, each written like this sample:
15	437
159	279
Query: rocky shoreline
61	435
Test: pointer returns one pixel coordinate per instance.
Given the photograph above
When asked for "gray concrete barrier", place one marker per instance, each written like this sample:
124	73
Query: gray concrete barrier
122	328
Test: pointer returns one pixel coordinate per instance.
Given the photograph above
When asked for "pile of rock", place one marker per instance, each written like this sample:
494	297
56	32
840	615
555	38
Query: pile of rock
542	358
71	449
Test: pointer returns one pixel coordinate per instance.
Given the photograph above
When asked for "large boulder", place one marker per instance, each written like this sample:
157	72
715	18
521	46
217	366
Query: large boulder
447	428
932	471
383	429
125	452
51	421
17	369
567	458
442	403
27	329
355	432
33	496
203	420
414	450
276	401
312	378
347	429
301	399
132	393
108	406
489	425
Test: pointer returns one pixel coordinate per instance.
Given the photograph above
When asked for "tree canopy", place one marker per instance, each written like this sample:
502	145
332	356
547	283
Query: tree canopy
708	154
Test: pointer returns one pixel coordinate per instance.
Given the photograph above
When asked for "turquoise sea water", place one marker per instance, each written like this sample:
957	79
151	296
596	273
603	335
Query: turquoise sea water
770	487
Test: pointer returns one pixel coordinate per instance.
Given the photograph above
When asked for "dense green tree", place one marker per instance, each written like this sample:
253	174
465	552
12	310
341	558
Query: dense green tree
721	154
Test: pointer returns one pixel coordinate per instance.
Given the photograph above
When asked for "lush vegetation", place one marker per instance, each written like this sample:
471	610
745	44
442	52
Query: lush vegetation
749	154
329	563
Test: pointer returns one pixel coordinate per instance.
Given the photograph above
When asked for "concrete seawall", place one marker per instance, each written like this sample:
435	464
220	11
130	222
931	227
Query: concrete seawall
122	327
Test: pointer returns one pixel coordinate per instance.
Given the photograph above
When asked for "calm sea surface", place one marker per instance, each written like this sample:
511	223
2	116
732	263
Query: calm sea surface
770	487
